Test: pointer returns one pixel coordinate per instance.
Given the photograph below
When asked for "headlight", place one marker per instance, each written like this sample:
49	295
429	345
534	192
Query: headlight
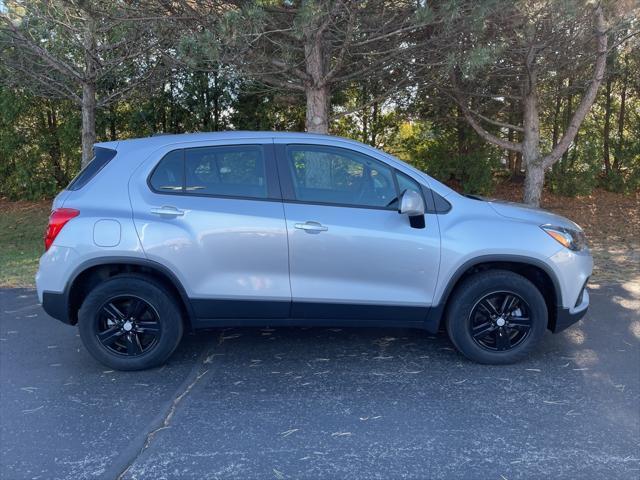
568	237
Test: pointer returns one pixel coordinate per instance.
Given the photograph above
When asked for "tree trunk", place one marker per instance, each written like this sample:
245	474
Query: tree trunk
365	125
316	89
317	172
556	118
375	124
88	121
617	163
574	153
514	158
317	116
534	167
607	127
317	119
511	155
55	149
113	131
206	112
567	118
365	114
89	92
518	166
533	183
461	134
217	93
173	120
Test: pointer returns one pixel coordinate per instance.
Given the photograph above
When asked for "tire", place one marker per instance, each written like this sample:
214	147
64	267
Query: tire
485	332
130	322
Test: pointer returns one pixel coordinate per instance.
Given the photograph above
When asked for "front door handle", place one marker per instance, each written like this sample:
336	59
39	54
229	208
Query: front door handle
311	227
167	211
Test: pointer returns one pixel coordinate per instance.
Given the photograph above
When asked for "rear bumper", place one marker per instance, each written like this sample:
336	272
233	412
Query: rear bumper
56	306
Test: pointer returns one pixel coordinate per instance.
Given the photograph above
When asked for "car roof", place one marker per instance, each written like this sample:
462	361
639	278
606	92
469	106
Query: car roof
168	139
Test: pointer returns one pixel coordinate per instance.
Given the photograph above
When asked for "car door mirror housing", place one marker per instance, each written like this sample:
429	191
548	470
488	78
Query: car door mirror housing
412	204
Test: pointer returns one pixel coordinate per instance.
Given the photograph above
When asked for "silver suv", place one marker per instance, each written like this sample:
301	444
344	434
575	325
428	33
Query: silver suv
161	234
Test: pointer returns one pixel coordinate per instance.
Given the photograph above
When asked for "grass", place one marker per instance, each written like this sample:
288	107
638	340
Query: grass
611	221
22	226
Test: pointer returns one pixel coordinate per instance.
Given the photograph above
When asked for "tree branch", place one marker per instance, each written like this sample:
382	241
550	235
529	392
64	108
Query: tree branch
489	137
55	63
497	123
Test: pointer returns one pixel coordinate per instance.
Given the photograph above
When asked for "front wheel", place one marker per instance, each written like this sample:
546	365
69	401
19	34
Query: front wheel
496	317
130	323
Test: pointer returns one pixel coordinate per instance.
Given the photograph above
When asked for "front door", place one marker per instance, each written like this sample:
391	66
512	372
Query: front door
351	254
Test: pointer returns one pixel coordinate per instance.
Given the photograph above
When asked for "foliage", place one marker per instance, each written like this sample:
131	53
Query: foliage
38	152
435	152
576	179
400	104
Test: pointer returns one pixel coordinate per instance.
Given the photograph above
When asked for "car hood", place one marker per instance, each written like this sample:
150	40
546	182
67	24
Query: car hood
526	213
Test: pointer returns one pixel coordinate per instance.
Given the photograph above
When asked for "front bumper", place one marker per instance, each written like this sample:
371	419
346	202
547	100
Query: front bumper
572	270
565	317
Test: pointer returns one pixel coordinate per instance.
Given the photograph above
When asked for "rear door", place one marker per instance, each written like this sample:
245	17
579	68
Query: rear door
351	254
213	214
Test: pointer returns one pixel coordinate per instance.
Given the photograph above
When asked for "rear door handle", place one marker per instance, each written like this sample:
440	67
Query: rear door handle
167	211
311	227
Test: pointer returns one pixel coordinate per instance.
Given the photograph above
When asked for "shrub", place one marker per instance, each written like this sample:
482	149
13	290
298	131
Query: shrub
575	180
436	153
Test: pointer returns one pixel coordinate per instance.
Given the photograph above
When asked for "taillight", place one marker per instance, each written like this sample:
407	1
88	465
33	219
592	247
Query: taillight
58	219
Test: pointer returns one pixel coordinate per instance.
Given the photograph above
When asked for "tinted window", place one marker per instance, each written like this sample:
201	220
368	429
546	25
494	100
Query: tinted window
227	171
233	171
168	176
102	156
339	176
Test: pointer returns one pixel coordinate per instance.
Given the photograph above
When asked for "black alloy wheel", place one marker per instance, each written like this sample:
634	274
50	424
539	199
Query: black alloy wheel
128	325
500	321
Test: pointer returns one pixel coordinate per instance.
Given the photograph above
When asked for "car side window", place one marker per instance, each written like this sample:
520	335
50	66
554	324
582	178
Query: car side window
339	176
235	171
228	171
168	176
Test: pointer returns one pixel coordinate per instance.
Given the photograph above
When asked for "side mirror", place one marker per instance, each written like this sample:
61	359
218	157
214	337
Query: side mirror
412	204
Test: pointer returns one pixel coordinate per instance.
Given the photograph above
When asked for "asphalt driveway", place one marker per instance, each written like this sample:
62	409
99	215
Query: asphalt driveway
322	404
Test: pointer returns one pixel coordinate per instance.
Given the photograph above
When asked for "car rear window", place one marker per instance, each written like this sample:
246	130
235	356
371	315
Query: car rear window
102	156
168	175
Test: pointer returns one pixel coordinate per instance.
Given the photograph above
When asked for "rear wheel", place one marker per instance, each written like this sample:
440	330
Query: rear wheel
496	317
130	323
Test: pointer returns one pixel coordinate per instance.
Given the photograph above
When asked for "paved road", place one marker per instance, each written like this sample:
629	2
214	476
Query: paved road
322	404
